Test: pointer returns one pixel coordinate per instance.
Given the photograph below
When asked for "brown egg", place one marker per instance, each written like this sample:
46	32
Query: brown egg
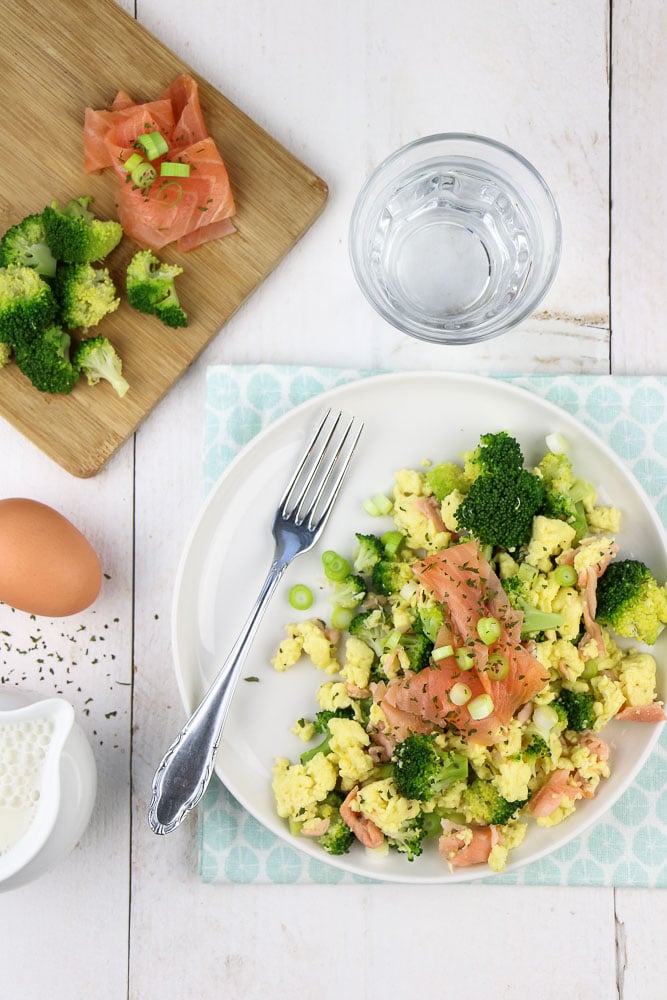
47	567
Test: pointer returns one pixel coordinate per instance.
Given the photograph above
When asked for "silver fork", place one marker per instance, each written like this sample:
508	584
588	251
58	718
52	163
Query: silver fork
186	768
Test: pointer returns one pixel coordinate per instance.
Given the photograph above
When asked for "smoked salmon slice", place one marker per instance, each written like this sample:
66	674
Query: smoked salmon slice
463	581
188	211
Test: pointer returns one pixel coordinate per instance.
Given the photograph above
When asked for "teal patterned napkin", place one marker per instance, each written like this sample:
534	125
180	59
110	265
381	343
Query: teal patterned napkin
628	847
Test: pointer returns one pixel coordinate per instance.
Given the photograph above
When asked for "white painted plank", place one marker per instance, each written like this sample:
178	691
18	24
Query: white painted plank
641	919
639	220
639	305
66	934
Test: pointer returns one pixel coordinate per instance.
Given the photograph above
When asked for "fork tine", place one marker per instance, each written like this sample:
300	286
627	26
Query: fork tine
285	504
332	478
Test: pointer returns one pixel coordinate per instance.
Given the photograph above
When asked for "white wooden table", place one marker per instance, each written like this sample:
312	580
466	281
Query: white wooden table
581	90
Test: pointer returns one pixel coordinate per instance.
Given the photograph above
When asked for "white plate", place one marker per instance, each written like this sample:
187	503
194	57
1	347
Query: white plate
408	417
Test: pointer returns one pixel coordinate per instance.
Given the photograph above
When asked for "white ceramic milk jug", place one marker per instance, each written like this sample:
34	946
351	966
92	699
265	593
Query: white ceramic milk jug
47	784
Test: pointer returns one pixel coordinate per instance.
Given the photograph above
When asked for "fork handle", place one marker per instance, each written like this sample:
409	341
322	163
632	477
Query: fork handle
185	771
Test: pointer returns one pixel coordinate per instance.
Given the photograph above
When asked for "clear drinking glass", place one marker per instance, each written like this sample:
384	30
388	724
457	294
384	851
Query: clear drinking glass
455	238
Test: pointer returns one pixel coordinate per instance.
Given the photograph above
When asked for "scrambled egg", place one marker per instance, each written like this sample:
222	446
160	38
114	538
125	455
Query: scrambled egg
512	778
568	603
565	809
609	699
333	695
358	662
543	591
511	835
592	551
448	509
638	678
607	519
418	528
549	539
306	637
347	746
562	657
304	729
381	802
299	788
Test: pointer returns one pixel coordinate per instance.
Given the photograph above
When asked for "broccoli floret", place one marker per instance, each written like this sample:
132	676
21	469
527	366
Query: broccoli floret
563	494
390	576
321	725
578	707
25	245
496	454
370	626
368	552
444	478
422	770
503	497
630	600
5	354
85	294
338	837
27	305
418	646
96	359
515	588
487	806
322	747
431	620
46	361
75	235
534	620
321	720
151	288
350	592
408	840
537	747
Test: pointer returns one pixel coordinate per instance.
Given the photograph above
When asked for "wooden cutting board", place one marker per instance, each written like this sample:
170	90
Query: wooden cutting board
54	61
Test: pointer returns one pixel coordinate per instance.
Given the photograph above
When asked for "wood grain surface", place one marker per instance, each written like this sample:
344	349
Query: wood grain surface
51	73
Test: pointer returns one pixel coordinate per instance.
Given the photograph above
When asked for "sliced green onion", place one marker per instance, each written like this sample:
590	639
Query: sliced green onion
460	694
544	717
556	443
143	175
335	567
392	542
464	659
168	169
481	706
591	669
133	161
341	617
488	629
392	640
300	596
167	186
378	505
153	144
497	666
442	652
383	503
565	576
431	621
